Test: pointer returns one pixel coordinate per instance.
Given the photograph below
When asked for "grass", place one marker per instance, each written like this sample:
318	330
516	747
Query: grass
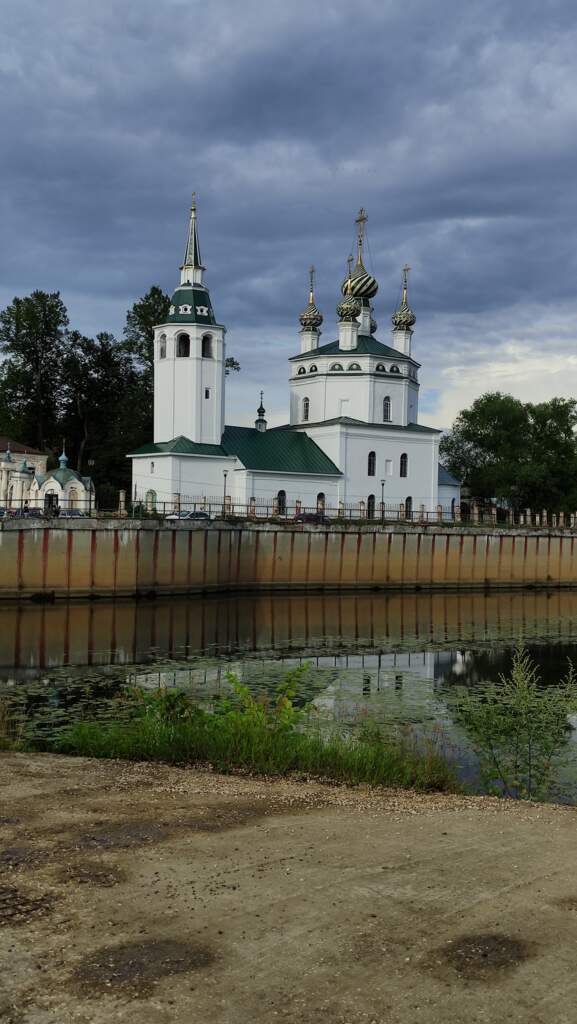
259	737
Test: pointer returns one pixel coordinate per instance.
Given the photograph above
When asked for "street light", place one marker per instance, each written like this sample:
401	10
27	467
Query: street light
382	500
225	474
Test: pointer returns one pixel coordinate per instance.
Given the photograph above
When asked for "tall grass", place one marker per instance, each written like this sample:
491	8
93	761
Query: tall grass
11	726
258	737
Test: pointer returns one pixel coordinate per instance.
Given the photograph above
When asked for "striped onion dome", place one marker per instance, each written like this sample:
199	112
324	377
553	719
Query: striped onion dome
349	309
311	318
403	318
361	284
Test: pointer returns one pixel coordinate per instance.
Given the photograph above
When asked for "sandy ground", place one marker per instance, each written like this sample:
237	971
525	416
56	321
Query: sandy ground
163	895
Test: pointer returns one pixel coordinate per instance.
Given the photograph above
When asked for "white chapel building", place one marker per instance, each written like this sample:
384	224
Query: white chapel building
353	438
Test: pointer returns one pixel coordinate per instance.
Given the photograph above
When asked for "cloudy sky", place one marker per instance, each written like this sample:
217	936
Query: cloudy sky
454	123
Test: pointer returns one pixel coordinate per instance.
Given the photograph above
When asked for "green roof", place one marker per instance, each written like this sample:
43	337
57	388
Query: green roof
413	428
280	449
366	345
197	298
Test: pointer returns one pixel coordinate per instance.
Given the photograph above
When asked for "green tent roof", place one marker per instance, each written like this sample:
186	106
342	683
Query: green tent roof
197	298
279	450
366	345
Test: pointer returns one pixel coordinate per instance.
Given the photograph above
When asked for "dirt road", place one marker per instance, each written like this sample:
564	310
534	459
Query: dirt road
163	896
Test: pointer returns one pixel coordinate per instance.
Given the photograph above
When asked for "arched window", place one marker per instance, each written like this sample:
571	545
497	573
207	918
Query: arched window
207	352
353	366
386	409
301	370
381	368
183	346
371	506
320	502
150	501
72	498
281	503
408	508
162	347
335	366
403	464
306	409
313	369
152	467
371	464
395	369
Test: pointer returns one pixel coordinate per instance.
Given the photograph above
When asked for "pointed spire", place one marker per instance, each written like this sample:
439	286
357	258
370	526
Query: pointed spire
192	268
361	221
311	318
63	460
260	422
404	319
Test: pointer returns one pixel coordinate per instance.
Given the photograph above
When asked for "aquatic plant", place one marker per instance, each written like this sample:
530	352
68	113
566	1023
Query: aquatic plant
264	736
518	728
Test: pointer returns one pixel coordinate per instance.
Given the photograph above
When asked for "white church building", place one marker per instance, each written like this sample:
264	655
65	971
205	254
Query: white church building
353	440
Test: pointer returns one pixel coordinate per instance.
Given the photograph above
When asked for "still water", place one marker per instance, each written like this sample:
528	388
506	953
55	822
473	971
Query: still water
392	657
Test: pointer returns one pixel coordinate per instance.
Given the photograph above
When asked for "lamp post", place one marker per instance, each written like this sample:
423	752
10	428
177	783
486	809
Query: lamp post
382	500
224	474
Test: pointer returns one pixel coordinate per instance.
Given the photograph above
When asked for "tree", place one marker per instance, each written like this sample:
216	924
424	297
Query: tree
146	313
33	340
522	454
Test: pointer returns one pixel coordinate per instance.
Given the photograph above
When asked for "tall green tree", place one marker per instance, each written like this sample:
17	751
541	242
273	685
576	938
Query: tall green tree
33	337
522	454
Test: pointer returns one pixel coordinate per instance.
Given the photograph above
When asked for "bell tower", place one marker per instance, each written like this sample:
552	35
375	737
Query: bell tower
189	357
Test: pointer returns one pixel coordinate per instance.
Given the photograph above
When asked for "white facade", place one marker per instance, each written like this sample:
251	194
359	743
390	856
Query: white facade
355	400
26	483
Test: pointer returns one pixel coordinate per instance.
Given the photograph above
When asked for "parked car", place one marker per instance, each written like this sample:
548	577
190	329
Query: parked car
316	518
189	515
71	513
25	513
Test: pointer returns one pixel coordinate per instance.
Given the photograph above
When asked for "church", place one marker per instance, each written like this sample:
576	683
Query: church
353	445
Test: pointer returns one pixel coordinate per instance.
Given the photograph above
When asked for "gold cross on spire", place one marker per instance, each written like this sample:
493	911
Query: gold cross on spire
406	269
361	220
193	204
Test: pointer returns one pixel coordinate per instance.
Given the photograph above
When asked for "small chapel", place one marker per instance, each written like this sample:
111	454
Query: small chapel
353	443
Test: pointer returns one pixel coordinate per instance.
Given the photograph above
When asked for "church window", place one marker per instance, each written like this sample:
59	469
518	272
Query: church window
386	409
152	467
403	464
409	508
72	498
371	506
207	352
395	369
184	310
207	392
202	310
381	368
371	464
388	467
162	347
306	409
354	366
281	503
150	501
313	369
301	370
183	346
320	502
335	367
171	311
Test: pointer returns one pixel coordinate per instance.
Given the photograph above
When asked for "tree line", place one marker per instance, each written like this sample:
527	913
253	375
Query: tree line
518	454
97	393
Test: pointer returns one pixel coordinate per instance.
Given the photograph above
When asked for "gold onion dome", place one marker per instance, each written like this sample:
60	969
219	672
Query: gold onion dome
403	318
349	308
311	318
359	282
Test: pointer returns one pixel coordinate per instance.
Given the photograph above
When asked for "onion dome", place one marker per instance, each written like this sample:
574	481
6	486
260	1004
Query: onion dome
359	282
311	318
349	309
403	318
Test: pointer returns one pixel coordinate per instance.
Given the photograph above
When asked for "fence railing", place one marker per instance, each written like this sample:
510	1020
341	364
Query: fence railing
205	509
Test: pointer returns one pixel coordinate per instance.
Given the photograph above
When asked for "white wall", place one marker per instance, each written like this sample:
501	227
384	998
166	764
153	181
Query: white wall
356	394
447	494
180	405
188	475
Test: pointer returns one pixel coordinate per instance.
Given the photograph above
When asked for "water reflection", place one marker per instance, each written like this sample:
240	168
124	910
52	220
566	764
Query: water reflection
36	638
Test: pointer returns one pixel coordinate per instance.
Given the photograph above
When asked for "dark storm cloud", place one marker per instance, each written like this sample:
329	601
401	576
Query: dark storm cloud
453	123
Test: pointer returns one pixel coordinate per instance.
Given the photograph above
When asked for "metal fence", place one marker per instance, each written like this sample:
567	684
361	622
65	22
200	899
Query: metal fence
211	508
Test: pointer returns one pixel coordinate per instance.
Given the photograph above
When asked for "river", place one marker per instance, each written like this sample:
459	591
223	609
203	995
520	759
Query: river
392	657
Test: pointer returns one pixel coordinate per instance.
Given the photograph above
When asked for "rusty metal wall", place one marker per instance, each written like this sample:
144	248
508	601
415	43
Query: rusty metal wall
116	557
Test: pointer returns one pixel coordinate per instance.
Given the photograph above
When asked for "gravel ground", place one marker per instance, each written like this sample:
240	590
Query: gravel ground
136	892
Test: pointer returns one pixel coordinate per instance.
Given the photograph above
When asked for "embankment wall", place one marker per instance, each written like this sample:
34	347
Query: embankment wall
126	558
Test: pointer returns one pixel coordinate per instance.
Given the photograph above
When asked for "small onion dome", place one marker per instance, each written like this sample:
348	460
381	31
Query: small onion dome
349	309
403	319
311	318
